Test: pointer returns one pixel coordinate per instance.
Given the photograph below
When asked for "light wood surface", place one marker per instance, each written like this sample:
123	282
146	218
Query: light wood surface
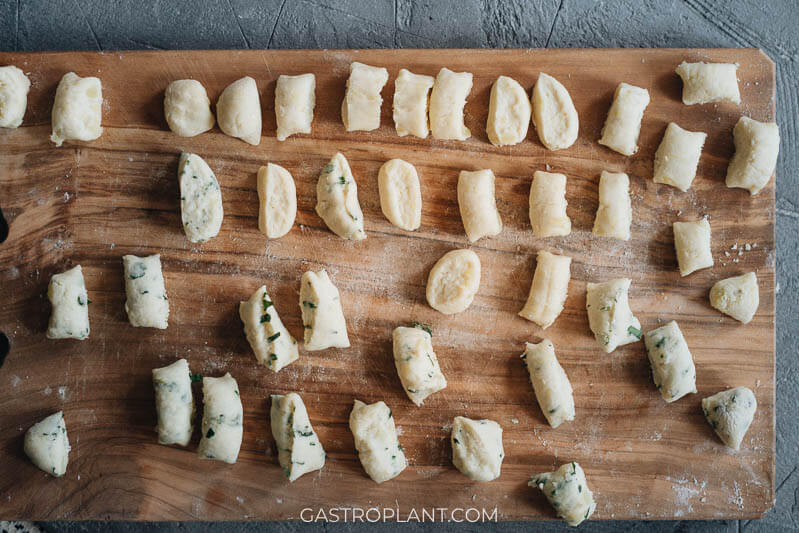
91	203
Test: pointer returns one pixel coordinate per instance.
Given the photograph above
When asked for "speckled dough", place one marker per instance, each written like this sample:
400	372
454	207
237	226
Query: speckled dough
477	448
200	199
238	111
677	156
730	413
70	316
550	382
322	315
416	362
174	403
147	304
298	448
509	113
222	426
672	365
623	124
737	297
757	146
14	87
47	445
609	315
703	83
567	491
453	281
187	108
337	200
477	204
692	243
447	103
375	436
77	109
295	100
273	345
548	290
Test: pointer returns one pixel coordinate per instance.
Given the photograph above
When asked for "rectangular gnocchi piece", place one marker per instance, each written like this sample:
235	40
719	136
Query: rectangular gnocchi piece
677	156
416	362
360	109
322	315
615	212
567	491
477	448
757	146
187	108
609	314
277	196
337	200
295	100
70	316
692	243
174	403
509	113
477	204
548	290
548	205
375	436
703	83
447	103
550	382
200	198
623	124
554	114
77	109
147	304
273	345
14	87
222	425
410	103
737	296
400	194
298	448
673	369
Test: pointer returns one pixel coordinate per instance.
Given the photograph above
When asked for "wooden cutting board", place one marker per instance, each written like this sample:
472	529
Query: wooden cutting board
91	203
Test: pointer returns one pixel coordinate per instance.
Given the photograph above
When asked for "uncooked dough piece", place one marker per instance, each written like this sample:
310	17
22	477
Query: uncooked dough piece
376	440
730	413
703	83
453	281
277	196
509	112
298	448
757	145
295	100
548	290
222	427
416	362
187	108
554	116
47	445
692	243
174	403
567	491
677	156
147	304
609	314
548	205
410	103
70	316
447	102
615	212
360	110
77	109
400	194
337	200
550	382
200	198
14	87
322	315
478	205
623	124
672	364
477	448
737	297
273	345
238	111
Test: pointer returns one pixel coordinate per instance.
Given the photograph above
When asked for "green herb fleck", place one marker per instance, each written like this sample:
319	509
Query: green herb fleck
273	337
661	343
209	433
310	305
265	318
267	304
196	377
456	441
424	327
342	180
635	332
137	270
328	168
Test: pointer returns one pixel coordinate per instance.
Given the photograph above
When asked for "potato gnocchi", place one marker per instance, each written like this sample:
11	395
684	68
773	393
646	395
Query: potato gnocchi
47	444
14	87
416	362
174	403
548	216
677	156
273	345
360	110
609	315
673	369
453	281
447	103
187	108
550	382
692	243
375	436
277	198
238	111
757	146
147	304
623	124
400	194
509	113
410	103
738	296
555	117
70	316
477	449
200	199
337	200
567	491
703	83
478	205
615	213
295	100
730	413
322	315
77	109
222	425
298	448
548	290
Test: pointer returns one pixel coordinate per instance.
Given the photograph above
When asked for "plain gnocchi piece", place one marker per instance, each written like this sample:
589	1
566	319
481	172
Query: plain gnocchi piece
477	448
322	315
567	491
238	111
623	124
410	103
360	110
757	146
147	304
609	314
187	108
703	83
47	444
550	382
673	369
615	213
692	243
548	205
77	109
200	198
70	301
375	436
337	200
737	297
730	413
554	115
416	362
453	281
222	425
400	194
174	403
14	87
273	345
509	112
298	448
295	100
478	205
677	157
548	290
277	196
447	103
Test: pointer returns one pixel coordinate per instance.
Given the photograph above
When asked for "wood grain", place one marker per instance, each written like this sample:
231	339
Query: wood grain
91	203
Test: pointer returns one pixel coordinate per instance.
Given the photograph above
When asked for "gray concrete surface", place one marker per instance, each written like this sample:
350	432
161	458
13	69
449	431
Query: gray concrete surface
195	24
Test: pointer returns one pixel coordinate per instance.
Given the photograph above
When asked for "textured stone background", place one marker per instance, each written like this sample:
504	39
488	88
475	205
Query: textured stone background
223	24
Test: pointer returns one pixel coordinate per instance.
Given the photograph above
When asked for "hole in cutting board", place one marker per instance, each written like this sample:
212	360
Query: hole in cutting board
3	227
5	347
